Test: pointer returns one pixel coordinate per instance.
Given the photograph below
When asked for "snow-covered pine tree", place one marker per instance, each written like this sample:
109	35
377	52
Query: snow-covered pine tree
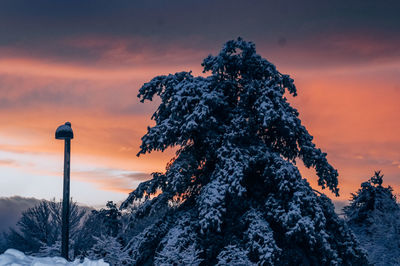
374	216
233	193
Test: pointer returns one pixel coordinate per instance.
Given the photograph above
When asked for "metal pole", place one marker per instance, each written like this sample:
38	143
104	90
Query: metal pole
65	205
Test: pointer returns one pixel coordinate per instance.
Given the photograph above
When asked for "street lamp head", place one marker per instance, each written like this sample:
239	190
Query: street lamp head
65	131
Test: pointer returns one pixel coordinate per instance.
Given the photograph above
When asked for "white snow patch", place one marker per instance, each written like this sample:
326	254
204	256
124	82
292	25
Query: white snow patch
13	257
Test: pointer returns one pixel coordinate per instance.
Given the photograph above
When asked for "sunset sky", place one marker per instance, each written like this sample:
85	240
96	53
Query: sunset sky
84	61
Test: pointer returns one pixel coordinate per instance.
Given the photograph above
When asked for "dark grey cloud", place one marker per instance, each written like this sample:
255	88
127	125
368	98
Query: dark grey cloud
138	176
42	28
111	178
166	18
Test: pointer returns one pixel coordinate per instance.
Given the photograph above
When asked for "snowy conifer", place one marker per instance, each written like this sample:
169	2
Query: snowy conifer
233	194
109	249
374	216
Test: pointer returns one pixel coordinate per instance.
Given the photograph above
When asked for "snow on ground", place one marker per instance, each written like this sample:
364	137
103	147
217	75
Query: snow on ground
14	257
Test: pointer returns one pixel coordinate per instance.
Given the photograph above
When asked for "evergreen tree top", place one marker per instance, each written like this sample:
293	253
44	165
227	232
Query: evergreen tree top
371	199
242	102
376	179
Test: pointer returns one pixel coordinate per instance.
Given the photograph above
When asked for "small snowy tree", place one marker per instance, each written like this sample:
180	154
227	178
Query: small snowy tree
39	228
34	229
53	250
111	217
109	249
103	223
233	194
374	216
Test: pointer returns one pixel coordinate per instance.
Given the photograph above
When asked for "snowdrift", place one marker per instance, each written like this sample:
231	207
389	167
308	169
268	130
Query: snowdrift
14	257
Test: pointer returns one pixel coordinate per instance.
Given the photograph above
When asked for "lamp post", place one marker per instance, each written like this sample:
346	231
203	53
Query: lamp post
65	132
